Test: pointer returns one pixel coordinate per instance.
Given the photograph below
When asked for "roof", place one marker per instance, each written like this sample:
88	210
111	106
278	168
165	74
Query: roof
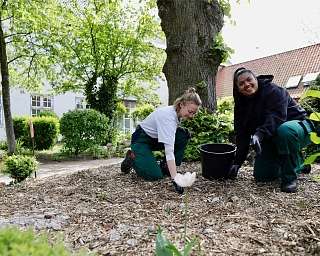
282	66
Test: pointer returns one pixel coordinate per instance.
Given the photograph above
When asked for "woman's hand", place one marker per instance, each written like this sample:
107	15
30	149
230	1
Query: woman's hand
255	142
233	173
177	188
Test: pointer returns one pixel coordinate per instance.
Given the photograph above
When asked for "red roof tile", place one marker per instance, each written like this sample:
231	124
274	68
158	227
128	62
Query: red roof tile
282	66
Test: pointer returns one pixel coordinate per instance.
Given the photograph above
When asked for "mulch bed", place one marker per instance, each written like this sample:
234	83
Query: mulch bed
115	214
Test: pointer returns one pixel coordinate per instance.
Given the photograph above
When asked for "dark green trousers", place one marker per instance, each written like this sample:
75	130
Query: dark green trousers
145	163
281	155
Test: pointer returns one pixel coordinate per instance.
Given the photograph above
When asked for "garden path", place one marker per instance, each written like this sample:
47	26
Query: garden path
51	168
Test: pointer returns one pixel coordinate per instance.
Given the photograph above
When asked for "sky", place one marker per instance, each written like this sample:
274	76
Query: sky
266	27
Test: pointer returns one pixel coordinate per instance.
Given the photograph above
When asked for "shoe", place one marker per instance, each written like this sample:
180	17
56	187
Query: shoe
306	169
127	163
289	187
164	168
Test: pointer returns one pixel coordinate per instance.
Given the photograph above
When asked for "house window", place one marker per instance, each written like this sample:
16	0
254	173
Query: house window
46	102
293	82
128	122
309	78
40	103
35	101
81	103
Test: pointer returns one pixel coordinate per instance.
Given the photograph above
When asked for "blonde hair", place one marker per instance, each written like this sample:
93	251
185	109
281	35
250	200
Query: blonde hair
189	95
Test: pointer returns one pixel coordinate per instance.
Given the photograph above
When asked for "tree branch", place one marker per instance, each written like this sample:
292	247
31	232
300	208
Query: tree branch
15	34
30	64
8	18
17	57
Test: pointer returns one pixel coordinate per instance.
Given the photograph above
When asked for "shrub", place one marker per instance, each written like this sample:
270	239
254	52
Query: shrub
19	167
20	127
82	129
310	100
14	242
46	130
3	145
208	127
49	113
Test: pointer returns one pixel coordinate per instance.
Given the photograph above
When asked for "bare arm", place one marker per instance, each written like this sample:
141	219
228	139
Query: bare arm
172	168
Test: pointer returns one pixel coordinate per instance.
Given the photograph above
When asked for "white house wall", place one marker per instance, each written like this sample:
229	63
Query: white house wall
21	105
64	102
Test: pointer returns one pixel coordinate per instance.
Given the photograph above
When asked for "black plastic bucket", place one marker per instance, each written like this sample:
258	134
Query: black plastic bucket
217	159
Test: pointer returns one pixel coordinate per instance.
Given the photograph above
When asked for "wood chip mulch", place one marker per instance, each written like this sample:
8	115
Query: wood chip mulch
110	213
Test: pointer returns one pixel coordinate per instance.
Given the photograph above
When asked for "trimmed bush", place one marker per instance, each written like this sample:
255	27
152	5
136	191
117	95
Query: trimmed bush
20	127
83	129
46	130
14	242
19	167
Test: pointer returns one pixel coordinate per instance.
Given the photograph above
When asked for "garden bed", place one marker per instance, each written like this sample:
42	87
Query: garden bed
115	214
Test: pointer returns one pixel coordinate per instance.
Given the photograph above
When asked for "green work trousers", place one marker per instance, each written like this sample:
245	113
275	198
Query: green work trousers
281	155
145	163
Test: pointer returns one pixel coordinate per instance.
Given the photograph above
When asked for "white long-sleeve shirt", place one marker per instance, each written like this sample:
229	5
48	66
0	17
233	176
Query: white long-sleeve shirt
162	124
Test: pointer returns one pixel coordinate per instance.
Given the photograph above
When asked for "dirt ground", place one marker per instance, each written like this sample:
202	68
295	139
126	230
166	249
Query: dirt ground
115	214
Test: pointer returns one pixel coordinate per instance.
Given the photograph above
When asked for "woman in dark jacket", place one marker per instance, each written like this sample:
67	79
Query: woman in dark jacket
266	117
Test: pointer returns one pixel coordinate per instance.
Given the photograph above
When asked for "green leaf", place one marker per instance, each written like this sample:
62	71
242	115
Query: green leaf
188	247
312	158
162	245
314	138
311	93
315	116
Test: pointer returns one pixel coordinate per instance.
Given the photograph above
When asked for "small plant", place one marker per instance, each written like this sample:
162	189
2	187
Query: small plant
220	50
14	242
3	145
314	93
19	167
163	246
97	151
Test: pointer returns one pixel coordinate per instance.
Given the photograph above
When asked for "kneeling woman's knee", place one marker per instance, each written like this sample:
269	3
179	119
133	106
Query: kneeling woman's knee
285	132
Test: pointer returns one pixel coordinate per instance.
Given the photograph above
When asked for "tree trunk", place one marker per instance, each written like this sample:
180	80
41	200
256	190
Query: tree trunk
190	27
6	94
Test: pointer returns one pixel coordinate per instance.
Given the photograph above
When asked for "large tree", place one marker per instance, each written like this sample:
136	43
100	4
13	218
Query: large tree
190	27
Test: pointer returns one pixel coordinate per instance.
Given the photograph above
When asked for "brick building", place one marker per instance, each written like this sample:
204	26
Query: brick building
293	69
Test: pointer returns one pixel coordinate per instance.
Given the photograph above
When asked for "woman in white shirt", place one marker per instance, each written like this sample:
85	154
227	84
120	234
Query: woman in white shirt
160	130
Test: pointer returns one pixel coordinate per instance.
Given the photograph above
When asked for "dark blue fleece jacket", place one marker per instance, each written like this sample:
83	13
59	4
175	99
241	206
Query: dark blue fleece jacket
262	113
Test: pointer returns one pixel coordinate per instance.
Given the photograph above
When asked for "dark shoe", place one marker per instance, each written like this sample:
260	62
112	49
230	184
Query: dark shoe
127	163
289	187
306	169
164	168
